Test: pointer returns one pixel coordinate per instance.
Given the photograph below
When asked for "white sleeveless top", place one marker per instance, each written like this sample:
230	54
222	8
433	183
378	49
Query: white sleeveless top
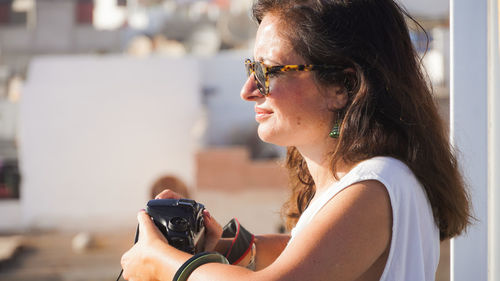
414	252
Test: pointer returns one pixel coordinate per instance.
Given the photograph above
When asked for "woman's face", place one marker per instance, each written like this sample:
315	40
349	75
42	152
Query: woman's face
296	112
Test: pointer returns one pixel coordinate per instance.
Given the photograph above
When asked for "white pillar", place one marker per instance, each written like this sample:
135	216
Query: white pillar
494	139
468	121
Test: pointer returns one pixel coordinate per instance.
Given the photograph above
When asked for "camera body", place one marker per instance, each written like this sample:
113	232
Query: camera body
180	221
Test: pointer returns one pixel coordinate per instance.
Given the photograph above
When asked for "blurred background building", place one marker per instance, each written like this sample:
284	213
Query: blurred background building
100	98
218	34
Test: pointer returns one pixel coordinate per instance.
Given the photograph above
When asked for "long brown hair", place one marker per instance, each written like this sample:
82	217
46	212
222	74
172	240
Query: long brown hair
390	112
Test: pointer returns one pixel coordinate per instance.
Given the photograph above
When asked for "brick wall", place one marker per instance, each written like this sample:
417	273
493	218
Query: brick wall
231	169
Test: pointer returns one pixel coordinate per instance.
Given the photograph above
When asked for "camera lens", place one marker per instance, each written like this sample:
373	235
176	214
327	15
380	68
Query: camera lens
177	242
178	224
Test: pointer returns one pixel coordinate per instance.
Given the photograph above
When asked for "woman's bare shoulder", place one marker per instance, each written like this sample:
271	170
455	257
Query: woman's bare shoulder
344	239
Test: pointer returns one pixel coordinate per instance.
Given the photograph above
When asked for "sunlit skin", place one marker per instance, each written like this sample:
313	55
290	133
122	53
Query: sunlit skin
348	239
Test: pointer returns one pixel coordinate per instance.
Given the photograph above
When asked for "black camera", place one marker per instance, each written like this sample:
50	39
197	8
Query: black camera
180	221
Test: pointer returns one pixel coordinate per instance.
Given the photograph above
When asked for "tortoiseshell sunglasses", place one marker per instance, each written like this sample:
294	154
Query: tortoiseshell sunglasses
262	71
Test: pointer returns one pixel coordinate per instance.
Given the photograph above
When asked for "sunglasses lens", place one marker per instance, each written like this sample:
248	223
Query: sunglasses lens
248	67
260	78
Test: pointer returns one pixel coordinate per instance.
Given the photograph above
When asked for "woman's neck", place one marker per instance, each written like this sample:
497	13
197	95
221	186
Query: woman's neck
319	166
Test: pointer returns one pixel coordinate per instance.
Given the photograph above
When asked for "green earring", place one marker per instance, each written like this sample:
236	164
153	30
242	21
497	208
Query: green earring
335	132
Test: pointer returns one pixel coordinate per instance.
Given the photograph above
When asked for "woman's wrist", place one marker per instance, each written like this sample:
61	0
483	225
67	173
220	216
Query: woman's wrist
223	245
167	260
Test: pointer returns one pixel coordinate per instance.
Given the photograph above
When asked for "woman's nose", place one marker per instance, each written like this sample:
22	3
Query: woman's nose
249	91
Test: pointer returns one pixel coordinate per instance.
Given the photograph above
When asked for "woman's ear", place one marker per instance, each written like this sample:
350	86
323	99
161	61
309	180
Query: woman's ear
337	98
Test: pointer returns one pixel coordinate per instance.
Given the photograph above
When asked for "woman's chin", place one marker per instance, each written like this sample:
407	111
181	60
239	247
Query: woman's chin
269	136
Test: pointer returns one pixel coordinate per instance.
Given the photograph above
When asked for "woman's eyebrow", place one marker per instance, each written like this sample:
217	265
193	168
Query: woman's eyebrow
269	60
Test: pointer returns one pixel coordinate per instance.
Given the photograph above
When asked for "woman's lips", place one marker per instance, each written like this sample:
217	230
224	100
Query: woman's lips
262	114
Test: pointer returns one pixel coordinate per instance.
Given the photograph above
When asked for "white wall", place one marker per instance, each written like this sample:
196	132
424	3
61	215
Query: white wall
469	131
95	132
10	215
8	119
228	115
494	140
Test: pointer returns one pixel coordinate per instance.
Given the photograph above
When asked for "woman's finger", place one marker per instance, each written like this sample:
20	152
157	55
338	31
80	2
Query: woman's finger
213	231
147	228
168	194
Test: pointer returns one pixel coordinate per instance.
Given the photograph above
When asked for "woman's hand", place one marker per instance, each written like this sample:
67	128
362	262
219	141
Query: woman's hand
212	227
138	263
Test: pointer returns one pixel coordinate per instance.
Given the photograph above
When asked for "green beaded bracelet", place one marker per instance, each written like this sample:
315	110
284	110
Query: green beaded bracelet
196	261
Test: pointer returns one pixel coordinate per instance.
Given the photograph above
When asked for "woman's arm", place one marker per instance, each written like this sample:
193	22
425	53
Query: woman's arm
268	247
344	240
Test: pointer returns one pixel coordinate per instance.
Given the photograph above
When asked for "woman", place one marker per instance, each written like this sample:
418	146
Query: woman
375	183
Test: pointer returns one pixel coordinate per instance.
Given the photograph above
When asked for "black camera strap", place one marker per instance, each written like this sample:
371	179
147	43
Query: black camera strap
242	241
